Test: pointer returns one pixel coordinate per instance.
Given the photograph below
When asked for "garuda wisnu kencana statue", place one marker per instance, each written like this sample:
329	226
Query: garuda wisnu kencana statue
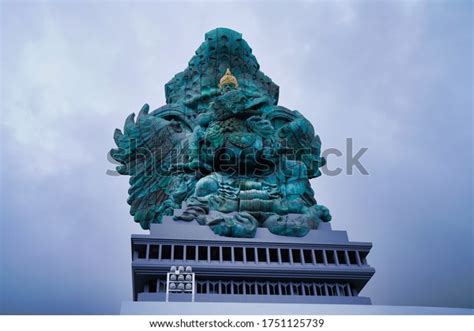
221	152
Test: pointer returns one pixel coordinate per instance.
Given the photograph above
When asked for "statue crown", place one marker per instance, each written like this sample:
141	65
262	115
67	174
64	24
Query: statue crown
228	78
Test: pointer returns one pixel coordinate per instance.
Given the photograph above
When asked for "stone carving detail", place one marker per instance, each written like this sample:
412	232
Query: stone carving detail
221	152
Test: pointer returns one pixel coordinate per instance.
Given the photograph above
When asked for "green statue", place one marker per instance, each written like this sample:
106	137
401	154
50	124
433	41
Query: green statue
221	152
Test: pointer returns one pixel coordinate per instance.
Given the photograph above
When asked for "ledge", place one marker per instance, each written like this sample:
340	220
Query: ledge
222	308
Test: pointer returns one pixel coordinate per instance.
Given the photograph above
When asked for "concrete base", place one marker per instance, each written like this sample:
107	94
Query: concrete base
323	267
220	308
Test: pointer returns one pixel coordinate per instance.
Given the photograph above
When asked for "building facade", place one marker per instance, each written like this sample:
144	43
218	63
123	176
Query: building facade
322	267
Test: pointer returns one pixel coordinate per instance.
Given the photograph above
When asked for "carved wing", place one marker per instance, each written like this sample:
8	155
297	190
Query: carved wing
297	135
146	150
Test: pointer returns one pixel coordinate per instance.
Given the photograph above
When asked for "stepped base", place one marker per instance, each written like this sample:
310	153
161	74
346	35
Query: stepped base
323	267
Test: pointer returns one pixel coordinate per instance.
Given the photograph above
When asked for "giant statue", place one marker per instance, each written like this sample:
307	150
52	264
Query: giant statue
222	152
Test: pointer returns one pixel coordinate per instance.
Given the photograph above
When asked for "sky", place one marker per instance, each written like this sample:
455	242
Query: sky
396	77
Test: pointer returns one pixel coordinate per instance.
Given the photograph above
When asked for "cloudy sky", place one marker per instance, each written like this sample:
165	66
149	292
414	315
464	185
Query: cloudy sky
396	77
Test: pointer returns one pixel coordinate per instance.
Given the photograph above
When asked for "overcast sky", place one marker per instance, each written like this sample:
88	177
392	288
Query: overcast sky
394	77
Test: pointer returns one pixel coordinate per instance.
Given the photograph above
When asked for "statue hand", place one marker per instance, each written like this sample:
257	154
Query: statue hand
288	225
241	225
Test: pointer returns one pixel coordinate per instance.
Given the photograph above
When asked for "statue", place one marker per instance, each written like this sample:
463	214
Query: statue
221	150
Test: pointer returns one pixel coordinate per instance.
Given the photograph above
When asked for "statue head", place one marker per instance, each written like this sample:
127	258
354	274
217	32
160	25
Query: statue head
228	82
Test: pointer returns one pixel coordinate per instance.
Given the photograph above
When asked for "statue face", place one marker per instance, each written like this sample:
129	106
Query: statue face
227	88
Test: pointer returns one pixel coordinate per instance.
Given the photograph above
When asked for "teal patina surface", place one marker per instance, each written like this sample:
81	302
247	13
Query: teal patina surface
222	151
